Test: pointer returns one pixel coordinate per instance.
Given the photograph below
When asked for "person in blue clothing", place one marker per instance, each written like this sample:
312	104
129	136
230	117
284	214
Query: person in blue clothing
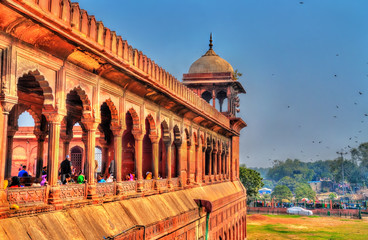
100	179
23	172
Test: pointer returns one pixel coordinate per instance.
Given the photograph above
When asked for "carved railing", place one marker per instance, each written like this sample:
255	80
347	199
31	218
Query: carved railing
77	21
148	185
72	192
26	195
106	189
161	184
206	179
175	182
129	187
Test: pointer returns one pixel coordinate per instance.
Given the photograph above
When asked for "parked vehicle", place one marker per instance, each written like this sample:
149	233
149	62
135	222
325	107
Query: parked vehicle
299	211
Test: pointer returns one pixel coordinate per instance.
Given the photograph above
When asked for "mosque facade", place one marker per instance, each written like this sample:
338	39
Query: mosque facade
88	90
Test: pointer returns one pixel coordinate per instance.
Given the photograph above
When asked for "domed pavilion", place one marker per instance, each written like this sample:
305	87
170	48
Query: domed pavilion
213	78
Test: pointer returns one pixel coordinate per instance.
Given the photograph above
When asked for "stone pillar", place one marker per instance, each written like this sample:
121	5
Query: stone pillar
40	149
9	151
168	146
189	153
54	120
214	158
203	163
219	164
104	158
91	127
118	151
66	148
155	153
180	163
6	107
197	163
138	137
118	158
210	162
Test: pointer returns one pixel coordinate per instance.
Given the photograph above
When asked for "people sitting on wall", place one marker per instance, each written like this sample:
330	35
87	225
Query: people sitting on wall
44	170
23	172
43	181
68	179
100	179
110	178
80	179
15	182
148	175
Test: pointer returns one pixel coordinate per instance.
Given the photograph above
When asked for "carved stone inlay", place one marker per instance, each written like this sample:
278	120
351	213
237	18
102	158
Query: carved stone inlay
175	182
72	192
27	195
105	189
162	183
148	185
128	187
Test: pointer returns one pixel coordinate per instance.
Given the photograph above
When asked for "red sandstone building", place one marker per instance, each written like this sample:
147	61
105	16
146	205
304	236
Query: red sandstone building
86	88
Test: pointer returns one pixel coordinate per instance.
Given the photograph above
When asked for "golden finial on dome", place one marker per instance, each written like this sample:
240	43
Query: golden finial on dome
211	45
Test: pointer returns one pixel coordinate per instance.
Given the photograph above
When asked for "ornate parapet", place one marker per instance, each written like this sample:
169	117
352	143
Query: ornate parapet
71	192
128	187
27	196
106	189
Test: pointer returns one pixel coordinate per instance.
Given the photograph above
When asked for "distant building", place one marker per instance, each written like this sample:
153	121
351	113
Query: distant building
265	191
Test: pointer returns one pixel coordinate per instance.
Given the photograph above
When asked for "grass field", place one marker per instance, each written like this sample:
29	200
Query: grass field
301	227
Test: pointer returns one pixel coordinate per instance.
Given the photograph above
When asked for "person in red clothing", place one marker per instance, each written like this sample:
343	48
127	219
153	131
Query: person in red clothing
15	183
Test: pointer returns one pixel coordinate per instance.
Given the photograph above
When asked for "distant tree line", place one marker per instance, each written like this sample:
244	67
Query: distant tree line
294	174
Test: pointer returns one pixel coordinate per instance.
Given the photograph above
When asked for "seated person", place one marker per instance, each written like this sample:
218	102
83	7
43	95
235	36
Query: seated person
44	170
23	172
80	179
148	175
100	179
68	179
15	183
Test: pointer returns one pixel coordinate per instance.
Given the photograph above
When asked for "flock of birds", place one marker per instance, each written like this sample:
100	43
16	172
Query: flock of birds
353	139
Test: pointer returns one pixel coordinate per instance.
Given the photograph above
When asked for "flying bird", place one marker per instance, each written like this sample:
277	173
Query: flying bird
335	116
301	2
335	75
360	93
365	114
337	106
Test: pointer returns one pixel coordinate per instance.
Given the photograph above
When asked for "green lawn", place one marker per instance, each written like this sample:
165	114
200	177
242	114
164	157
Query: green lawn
301	227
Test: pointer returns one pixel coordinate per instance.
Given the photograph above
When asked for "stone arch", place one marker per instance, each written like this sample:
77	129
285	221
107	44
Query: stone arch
113	110
22	108
135	118
175	171
44	85
187	137
152	124
195	138
163	144
86	103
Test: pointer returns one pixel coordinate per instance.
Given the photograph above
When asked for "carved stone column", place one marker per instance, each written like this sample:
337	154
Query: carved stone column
198	163
219	164
54	120
91	127
168	146
214	159
41	136
138	137
155	153
118	151
189	145
9	151
203	163
6	107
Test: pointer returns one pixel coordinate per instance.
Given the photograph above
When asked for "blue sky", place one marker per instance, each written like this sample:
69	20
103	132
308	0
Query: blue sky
303	65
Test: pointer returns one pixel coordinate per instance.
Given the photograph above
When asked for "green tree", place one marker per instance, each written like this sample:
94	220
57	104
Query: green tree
291	168
268	183
289	182
281	192
237	74
304	190
251	180
332	196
